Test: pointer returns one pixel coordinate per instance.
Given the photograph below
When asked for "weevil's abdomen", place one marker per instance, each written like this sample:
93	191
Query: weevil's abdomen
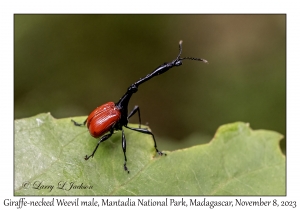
102	119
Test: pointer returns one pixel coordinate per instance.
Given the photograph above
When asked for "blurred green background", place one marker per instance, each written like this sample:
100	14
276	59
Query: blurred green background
70	64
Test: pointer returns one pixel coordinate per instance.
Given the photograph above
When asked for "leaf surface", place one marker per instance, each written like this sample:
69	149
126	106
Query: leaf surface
49	160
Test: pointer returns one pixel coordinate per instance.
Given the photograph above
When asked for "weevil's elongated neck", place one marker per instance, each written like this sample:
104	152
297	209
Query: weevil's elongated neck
123	102
159	70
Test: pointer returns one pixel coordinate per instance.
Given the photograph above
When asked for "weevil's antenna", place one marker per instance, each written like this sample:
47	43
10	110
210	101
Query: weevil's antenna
195	59
189	58
180	50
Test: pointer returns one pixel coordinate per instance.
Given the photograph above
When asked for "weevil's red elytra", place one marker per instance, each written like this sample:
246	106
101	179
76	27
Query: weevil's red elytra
102	119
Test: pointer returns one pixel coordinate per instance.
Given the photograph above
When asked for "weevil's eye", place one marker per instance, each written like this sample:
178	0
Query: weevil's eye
178	63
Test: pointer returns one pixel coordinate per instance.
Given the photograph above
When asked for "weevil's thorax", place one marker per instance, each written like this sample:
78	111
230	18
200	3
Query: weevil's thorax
122	105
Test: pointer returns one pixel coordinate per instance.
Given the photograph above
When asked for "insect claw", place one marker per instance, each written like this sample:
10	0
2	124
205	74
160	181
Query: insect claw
161	153
125	168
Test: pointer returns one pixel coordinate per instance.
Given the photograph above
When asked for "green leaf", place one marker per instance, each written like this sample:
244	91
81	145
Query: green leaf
49	157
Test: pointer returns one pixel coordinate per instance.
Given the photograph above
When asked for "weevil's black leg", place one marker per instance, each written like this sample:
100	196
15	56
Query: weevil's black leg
143	130
103	138
135	109
79	124
124	150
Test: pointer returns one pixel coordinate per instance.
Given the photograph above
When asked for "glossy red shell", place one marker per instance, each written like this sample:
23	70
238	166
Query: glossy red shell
102	119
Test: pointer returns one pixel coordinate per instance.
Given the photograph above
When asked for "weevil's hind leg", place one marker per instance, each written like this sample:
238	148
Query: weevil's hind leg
124	150
79	124
103	138
135	109
143	130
